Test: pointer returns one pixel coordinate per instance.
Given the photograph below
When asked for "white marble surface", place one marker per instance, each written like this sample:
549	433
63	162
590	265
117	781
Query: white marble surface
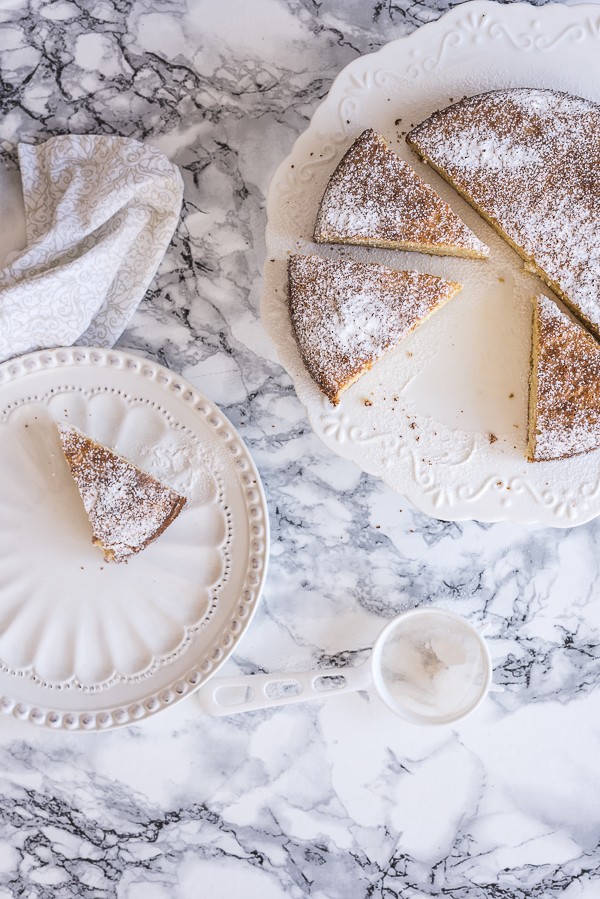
332	799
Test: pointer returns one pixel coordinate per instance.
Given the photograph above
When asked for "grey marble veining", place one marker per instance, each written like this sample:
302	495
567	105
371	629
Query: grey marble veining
338	798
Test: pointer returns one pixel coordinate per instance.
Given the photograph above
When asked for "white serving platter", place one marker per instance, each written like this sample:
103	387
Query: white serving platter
443	418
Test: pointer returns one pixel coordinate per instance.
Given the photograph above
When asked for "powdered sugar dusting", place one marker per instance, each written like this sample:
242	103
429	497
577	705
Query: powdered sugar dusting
187	464
529	160
568	385
126	506
374	196
347	314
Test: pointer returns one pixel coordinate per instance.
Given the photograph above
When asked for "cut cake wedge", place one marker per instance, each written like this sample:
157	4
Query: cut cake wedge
376	199
127	507
564	386
346	315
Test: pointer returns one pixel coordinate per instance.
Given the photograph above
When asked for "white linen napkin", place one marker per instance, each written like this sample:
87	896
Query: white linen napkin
100	212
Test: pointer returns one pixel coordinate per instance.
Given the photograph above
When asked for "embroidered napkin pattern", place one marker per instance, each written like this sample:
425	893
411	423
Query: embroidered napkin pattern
100	212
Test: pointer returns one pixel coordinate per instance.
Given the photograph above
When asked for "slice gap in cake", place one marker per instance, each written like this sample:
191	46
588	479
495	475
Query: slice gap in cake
127	507
564	386
346	315
525	160
376	199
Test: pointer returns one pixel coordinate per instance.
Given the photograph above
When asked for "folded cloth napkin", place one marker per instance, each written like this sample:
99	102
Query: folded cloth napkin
100	212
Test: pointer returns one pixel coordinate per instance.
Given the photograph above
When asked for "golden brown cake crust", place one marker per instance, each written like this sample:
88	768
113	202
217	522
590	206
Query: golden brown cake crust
346	314
374	198
565	386
528	161
127	507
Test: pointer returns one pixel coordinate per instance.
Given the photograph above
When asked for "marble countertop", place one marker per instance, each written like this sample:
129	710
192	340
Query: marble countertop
338	798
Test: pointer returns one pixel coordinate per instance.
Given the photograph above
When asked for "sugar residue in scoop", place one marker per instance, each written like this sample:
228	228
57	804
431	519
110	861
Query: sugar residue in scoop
432	667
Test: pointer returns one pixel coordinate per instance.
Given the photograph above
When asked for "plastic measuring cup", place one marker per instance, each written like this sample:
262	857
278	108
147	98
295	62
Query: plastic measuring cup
429	666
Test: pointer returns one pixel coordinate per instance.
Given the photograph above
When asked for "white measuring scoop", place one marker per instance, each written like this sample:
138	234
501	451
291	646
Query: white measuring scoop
429	666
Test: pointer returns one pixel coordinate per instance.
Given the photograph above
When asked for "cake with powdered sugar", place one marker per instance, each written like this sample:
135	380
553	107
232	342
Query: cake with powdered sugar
127	507
529	161
376	199
346	315
564	386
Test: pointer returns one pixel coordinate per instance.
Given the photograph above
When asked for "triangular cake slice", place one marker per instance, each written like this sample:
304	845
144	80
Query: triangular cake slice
564	387
528	161
376	199
346	315
127	507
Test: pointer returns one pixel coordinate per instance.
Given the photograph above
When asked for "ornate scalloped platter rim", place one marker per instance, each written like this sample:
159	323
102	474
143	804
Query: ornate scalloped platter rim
214	631
415	75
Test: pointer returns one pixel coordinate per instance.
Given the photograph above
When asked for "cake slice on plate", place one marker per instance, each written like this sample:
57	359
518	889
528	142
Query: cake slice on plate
127	507
528	161
376	199
564	386
346	315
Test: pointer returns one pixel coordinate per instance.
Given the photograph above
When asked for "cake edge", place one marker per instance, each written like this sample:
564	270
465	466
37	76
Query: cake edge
533	384
325	237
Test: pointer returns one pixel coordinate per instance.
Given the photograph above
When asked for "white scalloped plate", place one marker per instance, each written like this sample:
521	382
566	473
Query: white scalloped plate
442	419
87	645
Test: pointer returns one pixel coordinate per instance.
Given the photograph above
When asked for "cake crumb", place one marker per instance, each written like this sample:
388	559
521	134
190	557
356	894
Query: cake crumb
492	438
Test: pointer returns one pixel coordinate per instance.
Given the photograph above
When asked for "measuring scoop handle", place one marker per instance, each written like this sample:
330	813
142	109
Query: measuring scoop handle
230	695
